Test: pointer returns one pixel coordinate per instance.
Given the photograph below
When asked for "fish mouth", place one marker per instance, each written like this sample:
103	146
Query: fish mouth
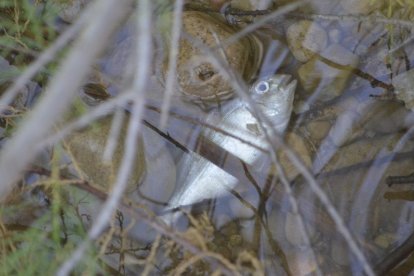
286	83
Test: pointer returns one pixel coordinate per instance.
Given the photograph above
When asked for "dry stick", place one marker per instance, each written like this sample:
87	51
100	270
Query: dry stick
44	58
172	63
276	143
20	150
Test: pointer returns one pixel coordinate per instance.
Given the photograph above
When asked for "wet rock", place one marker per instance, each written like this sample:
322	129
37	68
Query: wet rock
318	129
340	252
198	79
294	233
384	240
360	151
342	129
305	39
302	262
239	209
159	181
334	36
299	145
26	95
87	146
326	80
69	10
404	88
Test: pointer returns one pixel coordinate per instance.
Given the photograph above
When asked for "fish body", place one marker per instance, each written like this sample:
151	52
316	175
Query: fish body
201	179
273	97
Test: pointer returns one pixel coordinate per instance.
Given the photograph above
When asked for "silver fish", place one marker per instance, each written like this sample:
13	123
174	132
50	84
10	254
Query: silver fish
273	96
202	179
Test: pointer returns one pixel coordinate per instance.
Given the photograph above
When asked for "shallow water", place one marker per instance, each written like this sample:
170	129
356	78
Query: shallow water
345	129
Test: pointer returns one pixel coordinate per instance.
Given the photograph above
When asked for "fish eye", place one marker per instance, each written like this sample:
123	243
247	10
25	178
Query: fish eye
262	87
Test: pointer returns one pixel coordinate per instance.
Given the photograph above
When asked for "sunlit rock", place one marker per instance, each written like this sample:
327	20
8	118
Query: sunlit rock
328	76
305	39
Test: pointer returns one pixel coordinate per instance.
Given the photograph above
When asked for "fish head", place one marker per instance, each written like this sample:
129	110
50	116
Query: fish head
274	95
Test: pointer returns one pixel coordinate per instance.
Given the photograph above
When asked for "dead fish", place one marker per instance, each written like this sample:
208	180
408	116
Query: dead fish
200	178
273	96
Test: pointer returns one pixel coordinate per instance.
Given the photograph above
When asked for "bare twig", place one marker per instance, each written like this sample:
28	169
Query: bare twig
172	63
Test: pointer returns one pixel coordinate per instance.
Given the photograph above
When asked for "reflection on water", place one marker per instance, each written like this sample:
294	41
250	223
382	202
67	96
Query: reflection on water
344	126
